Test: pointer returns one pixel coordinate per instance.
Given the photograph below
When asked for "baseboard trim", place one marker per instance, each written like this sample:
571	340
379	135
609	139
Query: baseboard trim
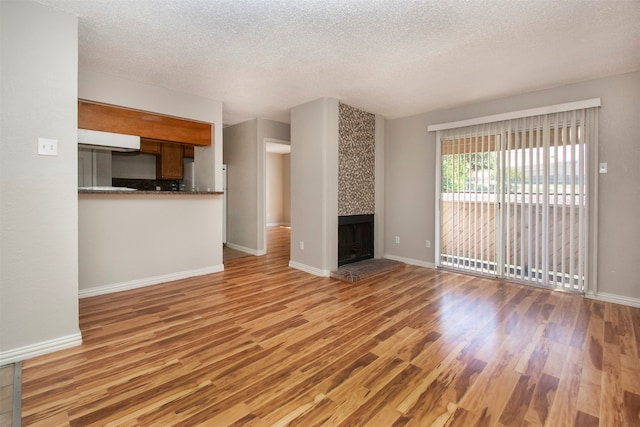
140	283
616	299
278	224
38	349
309	269
410	261
244	249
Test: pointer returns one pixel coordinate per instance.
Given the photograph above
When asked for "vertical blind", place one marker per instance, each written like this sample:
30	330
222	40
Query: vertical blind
514	197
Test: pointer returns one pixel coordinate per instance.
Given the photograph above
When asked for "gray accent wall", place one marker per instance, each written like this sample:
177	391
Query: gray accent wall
314	186
379	221
286	189
315	158
410	168
38	194
241	158
245	157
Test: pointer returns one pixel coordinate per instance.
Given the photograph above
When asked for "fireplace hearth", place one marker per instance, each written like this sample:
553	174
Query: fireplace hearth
355	238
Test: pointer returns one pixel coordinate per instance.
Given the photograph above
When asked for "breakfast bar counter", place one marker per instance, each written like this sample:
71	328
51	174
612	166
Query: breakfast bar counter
131	191
129	239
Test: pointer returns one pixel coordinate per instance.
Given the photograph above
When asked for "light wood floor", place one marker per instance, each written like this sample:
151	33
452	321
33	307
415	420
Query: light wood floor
262	344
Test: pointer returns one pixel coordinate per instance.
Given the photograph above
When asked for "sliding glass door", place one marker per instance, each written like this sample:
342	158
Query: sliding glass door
513	199
469	202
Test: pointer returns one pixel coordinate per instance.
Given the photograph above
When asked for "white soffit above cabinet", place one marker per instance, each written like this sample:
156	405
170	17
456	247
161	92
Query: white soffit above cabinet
107	140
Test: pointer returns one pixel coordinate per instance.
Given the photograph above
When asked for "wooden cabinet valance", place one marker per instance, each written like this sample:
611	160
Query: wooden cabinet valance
109	118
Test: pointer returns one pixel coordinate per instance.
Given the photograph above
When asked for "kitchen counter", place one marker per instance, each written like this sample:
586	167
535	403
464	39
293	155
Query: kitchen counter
139	192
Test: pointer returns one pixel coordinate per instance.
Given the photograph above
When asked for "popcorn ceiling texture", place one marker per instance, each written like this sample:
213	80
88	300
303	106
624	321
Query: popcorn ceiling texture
356	161
394	58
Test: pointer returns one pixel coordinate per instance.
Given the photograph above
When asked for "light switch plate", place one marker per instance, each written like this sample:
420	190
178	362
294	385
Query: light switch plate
47	147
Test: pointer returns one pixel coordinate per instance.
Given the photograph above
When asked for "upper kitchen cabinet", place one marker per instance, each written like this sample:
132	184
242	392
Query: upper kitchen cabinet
109	118
169	163
149	147
189	151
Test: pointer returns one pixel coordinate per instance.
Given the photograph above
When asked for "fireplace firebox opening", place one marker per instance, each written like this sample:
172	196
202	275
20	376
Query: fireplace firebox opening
355	238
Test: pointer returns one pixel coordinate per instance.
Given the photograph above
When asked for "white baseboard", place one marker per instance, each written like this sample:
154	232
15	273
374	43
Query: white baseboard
38	349
309	269
617	299
244	249
139	283
410	261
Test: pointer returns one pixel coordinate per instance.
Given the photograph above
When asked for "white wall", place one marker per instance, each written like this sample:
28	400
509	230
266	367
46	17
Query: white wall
127	241
314	186
277	199
241	158
410	177
108	89
103	167
286	188
94	167
379	188
274	189
138	166
38	194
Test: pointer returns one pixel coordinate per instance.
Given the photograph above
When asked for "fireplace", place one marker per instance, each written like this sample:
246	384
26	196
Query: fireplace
355	238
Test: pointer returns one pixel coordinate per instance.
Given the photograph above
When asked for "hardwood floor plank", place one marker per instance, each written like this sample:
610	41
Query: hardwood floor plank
543	397
464	418
262	344
630	373
612	404
586	420
316	416
631	407
428	379
371	406
591	381
521	396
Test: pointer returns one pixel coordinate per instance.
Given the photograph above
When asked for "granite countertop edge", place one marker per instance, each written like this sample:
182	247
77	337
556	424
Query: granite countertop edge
156	193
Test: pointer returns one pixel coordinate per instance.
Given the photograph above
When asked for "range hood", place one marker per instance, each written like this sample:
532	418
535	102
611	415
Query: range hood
98	140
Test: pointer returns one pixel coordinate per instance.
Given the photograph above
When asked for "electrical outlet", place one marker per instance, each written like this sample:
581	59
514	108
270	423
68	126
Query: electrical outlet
47	147
427	243
603	168
301	245
397	239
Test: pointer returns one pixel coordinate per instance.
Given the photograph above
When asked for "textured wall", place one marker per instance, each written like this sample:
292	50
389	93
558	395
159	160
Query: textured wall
241	158
39	202
410	172
314	186
356	161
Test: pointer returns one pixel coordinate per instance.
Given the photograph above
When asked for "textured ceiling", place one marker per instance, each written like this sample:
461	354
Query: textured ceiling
395	58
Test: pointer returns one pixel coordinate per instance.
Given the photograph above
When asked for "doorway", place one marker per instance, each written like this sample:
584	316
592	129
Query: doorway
277	190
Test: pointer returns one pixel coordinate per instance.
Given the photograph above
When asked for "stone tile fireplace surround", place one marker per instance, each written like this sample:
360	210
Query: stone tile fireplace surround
356	184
